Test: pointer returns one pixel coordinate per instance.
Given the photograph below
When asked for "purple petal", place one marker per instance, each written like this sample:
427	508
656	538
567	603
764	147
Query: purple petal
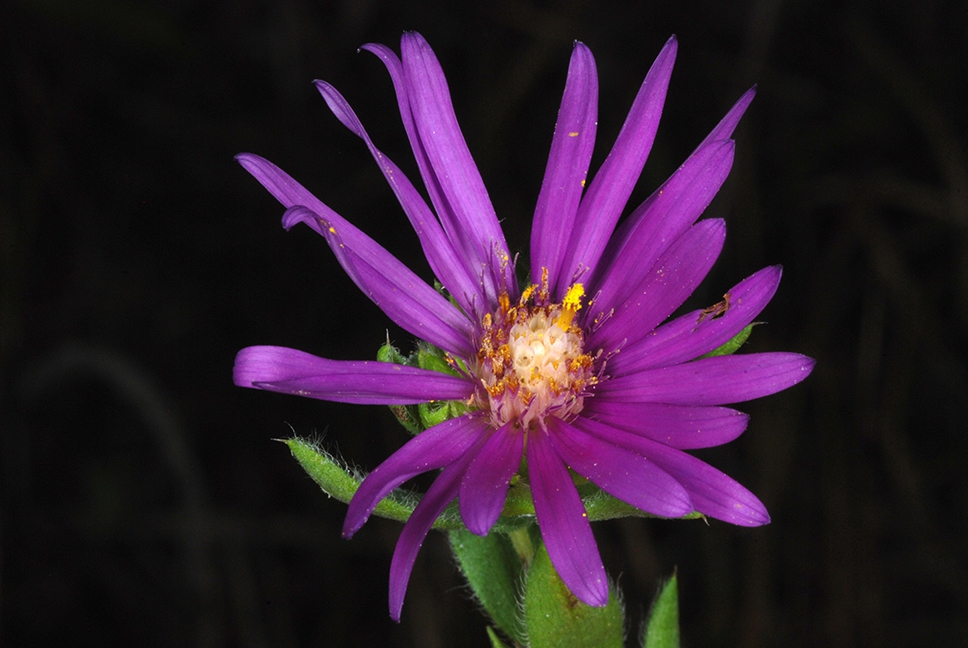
470	250
484	486
694	334
609	191
434	448
695	183
439	495
290	371
404	296
677	426
712	492
671	280
447	264
711	381
626	475
659	221
459	179
395	68
564	523
724	129
283	187
564	179
669	210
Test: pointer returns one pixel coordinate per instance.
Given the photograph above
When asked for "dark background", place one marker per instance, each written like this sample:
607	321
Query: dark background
142	500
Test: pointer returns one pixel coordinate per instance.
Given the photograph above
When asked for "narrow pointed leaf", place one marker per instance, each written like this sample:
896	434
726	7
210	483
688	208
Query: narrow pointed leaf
337	481
733	345
662	630
495	640
342	483
493	570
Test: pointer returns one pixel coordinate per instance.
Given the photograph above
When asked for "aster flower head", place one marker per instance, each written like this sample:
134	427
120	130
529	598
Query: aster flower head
573	372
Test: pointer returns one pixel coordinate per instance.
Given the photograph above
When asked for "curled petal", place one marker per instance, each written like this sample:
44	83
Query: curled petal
696	333
609	191
416	307
484	486
439	495
711	381
712	492
470	250
620	472
456	173
449	266
671	280
677	426
283	187
434	448
290	371
564	524
564	179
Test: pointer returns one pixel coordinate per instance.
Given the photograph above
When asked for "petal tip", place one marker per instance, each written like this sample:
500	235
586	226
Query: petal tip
808	365
744	514
594	594
299	214
351	525
249	161
250	365
756	518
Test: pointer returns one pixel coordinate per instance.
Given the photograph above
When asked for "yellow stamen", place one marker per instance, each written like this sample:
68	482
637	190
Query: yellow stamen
570	305
526	295
503	302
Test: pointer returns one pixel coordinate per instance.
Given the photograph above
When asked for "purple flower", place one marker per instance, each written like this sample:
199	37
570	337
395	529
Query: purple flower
575	370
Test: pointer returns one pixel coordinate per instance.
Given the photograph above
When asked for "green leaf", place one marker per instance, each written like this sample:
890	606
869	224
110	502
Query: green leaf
493	570
733	345
495	640
662	630
340	482
554	618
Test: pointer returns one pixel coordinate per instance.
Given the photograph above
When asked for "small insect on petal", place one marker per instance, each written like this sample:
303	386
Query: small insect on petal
716	310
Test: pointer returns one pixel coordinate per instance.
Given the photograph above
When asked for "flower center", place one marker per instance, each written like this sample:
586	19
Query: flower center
531	362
